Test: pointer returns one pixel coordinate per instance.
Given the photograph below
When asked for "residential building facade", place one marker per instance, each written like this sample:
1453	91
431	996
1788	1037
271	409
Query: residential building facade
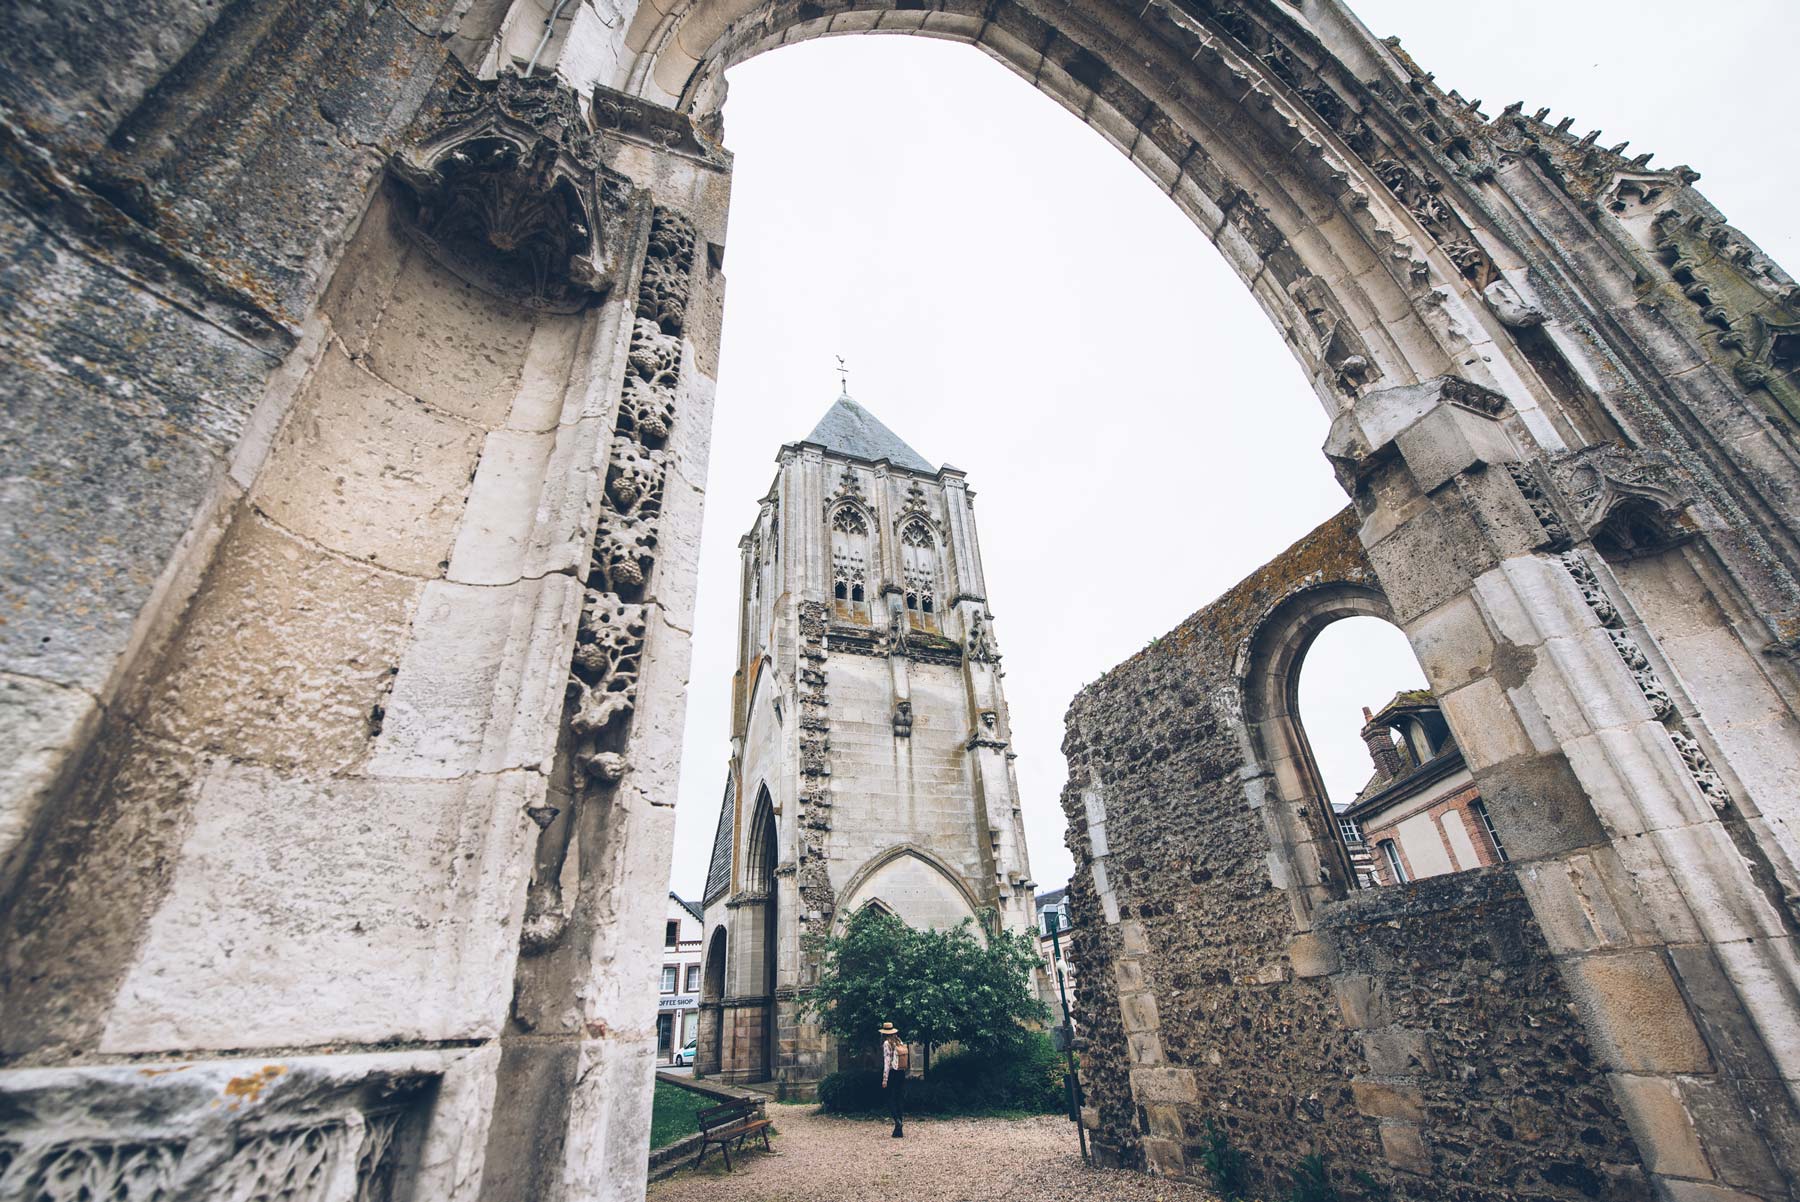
678	979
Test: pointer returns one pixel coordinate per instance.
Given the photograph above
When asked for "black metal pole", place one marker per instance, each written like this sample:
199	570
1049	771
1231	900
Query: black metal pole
1072	1078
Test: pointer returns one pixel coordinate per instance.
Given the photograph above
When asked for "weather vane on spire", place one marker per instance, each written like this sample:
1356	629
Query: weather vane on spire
843	376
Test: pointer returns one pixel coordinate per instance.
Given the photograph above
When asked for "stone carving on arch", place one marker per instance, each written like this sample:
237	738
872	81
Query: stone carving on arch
890	855
505	186
1628	502
1384	289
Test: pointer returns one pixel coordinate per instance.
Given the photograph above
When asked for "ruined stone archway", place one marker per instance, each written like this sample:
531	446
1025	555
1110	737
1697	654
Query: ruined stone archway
1269	669
493	641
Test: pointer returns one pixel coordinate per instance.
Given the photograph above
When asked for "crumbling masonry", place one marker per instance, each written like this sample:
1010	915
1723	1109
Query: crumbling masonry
358	372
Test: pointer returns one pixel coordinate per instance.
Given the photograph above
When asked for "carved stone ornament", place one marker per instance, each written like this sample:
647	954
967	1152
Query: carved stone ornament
312	1162
1700	770
1340	347
849	489
981	648
1472	396
1513	310
1418	194
507	189
607	662
814	883
1556	532
1627	502
1749	302
903	719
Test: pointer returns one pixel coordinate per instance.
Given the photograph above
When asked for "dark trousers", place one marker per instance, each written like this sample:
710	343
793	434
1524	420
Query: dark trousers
896	1089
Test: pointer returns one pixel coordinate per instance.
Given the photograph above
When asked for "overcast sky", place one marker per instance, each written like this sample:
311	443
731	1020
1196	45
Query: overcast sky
1015	299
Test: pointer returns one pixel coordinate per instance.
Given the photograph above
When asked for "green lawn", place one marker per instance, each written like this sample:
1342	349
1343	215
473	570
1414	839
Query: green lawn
672	1114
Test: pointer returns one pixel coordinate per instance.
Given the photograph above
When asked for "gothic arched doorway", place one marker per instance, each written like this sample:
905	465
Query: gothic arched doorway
759	876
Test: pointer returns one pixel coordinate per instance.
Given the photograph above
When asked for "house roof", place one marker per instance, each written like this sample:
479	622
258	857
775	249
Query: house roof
687	905
849	429
718	870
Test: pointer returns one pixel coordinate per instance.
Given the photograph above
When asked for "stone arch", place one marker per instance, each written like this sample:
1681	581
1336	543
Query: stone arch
761	853
712	977
871	883
1303	829
710	1056
1257	123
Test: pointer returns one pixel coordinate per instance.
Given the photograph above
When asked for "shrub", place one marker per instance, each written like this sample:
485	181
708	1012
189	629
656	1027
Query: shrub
1025	1075
1226	1165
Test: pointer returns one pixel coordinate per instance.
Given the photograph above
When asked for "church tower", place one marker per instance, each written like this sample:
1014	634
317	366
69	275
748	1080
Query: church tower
870	752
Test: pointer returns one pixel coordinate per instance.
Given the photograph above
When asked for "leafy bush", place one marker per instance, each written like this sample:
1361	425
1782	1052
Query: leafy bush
1226	1165
1026	1074
938	987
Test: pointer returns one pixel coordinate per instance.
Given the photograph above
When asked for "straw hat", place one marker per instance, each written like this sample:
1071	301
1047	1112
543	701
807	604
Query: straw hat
887	1029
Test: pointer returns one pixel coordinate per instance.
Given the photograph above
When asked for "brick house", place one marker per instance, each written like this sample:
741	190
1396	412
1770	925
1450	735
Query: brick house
1420	814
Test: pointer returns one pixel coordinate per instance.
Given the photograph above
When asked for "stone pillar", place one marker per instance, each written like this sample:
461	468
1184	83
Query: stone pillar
1615	816
965	553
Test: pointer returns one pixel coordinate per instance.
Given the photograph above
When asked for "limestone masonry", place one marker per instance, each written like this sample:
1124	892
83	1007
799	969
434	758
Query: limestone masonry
358	372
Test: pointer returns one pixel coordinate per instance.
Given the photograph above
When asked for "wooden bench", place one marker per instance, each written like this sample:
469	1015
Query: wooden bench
732	1123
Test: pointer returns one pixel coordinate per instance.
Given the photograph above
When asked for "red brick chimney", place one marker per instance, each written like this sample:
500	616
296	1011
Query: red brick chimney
1380	741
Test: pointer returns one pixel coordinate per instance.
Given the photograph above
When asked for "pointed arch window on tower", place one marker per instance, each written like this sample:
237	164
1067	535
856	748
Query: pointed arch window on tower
850	563
919	567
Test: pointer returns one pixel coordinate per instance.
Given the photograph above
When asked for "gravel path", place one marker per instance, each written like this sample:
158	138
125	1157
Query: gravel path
819	1158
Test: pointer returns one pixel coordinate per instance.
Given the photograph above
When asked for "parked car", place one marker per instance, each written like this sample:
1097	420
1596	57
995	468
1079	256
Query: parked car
685	1057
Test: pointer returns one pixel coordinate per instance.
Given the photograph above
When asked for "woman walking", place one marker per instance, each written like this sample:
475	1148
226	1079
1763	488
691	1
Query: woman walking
895	1059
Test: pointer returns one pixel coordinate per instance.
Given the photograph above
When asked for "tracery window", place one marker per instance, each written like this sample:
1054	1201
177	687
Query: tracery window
919	567
850	561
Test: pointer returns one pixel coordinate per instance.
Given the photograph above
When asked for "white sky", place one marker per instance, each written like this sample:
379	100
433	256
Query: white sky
1015	299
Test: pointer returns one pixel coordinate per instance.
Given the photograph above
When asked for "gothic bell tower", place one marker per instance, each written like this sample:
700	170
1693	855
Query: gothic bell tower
871	760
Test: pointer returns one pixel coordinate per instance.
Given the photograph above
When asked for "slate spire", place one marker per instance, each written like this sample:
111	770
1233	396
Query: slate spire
849	429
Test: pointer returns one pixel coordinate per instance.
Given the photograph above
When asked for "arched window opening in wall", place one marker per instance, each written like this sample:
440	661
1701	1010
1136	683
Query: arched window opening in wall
713	983
1404	799
850	563
919	567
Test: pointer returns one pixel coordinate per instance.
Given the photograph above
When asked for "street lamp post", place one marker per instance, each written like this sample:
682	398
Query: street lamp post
1071	1079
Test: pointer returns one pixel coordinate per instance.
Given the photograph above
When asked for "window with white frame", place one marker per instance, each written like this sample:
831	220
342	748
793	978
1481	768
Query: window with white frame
1392	852
693	979
668	978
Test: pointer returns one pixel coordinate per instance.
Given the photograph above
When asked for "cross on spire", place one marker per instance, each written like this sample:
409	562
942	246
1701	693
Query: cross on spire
843	376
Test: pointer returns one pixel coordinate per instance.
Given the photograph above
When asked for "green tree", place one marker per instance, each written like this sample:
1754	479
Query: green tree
937	987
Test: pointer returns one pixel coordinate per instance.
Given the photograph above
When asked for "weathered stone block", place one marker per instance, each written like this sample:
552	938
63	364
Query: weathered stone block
1635	1013
1394	1052
1661	1125
1404	1147
1379	1099
1175	1085
359	911
367	471
451	346
1312	955
285	655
